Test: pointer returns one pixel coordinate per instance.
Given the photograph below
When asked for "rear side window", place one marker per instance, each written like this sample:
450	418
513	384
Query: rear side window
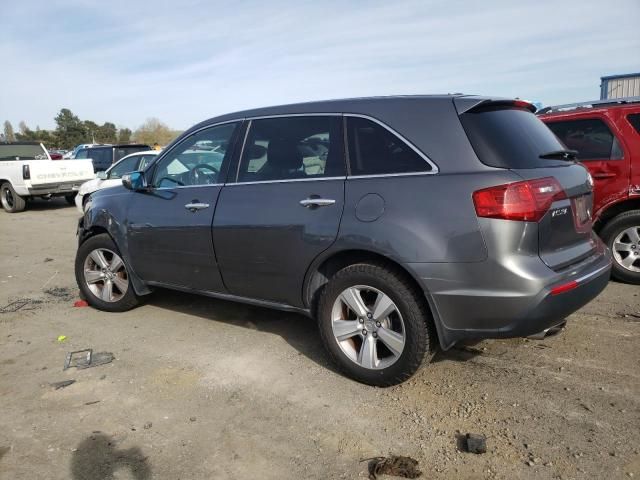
292	148
121	152
634	120
100	156
374	150
507	137
591	138
84	153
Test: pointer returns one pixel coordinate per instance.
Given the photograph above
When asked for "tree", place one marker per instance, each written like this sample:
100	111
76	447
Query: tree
153	131
70	131
22	127
124	135
107	133
9	136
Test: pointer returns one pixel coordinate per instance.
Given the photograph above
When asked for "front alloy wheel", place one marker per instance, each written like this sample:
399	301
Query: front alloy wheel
105	275
626	249
102	275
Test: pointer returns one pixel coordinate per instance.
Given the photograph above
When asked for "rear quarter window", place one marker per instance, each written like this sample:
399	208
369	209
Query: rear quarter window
506	137
634	120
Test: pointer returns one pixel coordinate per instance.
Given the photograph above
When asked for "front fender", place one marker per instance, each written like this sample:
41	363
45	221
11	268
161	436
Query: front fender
106	214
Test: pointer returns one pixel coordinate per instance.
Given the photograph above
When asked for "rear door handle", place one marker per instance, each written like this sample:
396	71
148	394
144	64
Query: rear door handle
195	206
603	175
317	202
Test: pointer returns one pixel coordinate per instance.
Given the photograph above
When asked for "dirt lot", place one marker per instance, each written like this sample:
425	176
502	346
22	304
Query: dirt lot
209	389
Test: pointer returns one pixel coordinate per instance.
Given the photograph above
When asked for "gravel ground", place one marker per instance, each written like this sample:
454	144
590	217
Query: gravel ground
201	388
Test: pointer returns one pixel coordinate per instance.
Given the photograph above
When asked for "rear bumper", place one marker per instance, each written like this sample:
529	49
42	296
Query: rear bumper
487	300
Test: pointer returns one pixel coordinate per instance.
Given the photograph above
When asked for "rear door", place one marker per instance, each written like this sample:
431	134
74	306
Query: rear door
509	137
601	152
169	226
284	209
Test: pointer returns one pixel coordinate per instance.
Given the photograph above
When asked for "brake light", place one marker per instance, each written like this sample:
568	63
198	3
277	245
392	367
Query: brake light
26	173
526	201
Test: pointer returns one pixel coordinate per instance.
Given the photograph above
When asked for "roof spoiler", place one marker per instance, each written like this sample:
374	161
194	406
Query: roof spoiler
469	104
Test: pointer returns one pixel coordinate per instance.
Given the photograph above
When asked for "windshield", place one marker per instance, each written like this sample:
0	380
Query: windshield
22	152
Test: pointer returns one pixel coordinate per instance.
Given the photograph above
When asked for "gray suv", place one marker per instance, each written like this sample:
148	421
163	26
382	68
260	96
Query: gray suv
399	223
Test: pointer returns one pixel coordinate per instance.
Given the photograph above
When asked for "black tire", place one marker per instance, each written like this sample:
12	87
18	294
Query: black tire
418	324
611	230
11	201
71	199
103	241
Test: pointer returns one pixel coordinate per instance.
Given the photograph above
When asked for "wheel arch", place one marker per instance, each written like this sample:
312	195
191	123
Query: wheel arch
612	211
326	266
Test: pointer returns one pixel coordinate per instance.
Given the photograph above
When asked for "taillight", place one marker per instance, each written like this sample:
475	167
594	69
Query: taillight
526	201
26	173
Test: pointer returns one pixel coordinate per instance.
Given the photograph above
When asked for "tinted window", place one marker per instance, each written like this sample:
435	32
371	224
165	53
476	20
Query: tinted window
145	160
634	120
127	165
123	151
291	148
510	138
84	153
197	159
591	138
374	150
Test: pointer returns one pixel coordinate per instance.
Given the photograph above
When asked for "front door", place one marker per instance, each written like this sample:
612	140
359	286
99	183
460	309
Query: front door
285	207
169	226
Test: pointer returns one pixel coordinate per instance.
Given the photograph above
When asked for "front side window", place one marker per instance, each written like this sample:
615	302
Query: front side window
144	161
197	159
374	150
83	153
127	165
591	138
292	148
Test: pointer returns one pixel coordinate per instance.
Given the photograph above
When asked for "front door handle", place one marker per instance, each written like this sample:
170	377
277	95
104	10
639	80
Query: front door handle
195	206
317	202
601	175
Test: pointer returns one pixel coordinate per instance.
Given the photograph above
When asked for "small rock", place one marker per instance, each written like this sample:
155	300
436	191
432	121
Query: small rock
192	419
476	443
147	425
530	463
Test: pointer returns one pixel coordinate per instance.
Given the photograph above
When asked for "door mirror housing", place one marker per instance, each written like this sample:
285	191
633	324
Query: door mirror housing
102	175
134	181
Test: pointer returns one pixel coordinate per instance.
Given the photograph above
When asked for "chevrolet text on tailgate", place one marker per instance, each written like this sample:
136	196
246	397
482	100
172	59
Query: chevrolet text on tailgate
27	171
398	223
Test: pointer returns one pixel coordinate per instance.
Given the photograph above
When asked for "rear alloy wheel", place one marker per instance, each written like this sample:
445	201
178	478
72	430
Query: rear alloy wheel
11	201
622	236
375	324
102	275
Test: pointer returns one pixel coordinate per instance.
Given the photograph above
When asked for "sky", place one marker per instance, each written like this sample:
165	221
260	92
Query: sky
186	61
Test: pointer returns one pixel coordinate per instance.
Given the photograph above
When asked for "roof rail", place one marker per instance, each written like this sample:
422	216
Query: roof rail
592	104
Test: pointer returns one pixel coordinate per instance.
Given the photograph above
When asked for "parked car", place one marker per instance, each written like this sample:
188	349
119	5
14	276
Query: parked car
27	171
398	223
606	136
72	153
54	155
112	176
103	156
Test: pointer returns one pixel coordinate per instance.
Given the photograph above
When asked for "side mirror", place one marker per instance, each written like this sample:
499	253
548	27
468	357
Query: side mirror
134	181
102	175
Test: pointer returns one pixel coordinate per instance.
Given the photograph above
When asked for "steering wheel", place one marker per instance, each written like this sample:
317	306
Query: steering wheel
195	175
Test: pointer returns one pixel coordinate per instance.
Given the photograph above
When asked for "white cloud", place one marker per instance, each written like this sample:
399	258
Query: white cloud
187	61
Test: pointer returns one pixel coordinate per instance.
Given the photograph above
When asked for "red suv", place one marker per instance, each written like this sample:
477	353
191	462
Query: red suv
606	135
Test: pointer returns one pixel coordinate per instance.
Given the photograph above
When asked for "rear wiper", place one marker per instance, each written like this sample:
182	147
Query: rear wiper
560	155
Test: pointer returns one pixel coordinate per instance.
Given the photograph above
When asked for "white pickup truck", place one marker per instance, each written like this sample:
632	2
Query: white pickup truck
27	171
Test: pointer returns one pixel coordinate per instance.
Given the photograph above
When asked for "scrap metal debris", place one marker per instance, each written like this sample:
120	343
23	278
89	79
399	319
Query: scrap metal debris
394	465
476	443
62	384
60	292
19	305
82	359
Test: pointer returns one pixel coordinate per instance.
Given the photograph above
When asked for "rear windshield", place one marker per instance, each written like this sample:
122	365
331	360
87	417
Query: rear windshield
22	152
123	151
506	137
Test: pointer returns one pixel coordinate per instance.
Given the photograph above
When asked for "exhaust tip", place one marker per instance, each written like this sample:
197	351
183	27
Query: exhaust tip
548	332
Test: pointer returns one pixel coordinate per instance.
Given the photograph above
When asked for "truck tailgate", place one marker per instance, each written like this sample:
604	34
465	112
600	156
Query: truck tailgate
46	172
